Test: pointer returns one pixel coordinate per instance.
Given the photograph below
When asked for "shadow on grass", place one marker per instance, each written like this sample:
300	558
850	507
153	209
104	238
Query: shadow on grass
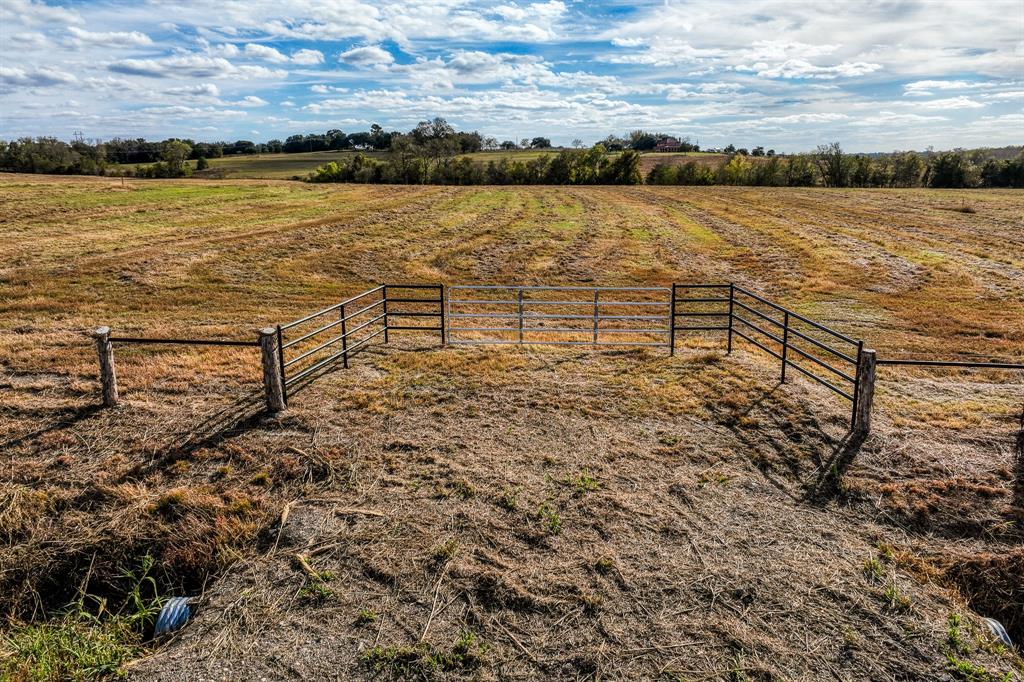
63	418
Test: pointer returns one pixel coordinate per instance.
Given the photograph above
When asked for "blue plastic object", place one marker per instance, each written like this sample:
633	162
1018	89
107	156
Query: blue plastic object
999	631
172	616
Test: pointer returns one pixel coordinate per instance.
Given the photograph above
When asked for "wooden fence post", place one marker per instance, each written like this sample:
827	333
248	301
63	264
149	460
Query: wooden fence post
272	384
108	377
865	393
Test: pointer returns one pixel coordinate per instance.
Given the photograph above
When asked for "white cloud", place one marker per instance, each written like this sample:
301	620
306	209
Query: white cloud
368	56
799	68
33	13
41	77
198	90
30	39
110	38
949	103
191	66
265	53
308	57
252	101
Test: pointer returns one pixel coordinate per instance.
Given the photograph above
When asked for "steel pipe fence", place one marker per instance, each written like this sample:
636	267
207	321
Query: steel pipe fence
335	333
816	351
559	315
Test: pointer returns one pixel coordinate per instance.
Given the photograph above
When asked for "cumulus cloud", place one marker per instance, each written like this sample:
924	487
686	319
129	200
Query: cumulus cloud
35	13
265	53
799	68
197	90
307	57
29	39
110	38
34	78
367	56
191	66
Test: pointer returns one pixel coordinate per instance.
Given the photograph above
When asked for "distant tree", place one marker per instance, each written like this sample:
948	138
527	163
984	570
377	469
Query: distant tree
540	143
949	169
624	169
832	165
771	152
731	149
577	143
614	144
524	143
757	151
174	154
202	163
860	171
799	171
508	145
907	169
643	141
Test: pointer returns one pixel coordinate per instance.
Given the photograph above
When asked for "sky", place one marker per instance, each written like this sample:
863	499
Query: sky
874	75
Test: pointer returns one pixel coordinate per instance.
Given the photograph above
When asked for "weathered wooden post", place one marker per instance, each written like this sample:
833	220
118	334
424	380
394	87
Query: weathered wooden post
108	377
865	392
272	384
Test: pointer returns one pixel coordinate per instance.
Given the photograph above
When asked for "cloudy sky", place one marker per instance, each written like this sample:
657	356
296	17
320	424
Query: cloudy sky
875	75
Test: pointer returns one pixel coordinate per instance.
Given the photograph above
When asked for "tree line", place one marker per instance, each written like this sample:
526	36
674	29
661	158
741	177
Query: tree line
431	160
433	152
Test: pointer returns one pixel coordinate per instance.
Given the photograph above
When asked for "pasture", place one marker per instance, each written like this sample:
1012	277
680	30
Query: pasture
511	513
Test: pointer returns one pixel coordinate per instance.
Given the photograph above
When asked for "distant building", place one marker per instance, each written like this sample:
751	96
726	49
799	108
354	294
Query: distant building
668	144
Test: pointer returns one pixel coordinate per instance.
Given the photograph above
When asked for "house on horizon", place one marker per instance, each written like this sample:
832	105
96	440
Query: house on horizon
668	144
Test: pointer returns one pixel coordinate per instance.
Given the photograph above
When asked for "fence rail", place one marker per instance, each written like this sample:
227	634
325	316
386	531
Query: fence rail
360	319
558	315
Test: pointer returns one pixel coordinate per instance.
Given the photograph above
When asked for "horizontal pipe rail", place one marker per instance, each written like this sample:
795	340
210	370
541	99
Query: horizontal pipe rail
334	307
558	343
508	287
697	329
798	316
189	342
701	286
952	363
311	334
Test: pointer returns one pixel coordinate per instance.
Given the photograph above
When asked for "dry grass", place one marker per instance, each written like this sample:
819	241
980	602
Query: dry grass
612	514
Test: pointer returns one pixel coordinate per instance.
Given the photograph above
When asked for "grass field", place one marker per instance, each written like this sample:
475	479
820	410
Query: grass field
287	166
500	514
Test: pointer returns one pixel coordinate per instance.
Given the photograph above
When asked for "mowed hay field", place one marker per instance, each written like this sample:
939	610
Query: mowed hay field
513	513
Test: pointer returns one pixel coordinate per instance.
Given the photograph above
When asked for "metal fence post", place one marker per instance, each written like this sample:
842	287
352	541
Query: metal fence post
446	310
597	292
280	360
785	343
344	339
385	294
732	295
520	315
865	392
672	322
440	298
272	384
108	377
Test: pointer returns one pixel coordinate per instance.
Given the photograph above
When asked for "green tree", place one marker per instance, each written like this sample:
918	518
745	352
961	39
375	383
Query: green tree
832	165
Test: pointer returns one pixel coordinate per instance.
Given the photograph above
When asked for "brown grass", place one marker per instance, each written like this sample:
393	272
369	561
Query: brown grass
481	491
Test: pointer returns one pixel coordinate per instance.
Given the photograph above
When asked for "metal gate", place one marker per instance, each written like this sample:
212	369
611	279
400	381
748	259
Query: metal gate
567	316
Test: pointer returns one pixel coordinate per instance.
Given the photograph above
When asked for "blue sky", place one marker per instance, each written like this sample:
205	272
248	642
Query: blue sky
876	75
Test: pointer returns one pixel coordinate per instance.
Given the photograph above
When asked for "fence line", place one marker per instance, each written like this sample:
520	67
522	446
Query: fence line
835	360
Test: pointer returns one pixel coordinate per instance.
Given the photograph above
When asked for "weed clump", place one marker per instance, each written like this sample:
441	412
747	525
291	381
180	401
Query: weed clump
423	661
